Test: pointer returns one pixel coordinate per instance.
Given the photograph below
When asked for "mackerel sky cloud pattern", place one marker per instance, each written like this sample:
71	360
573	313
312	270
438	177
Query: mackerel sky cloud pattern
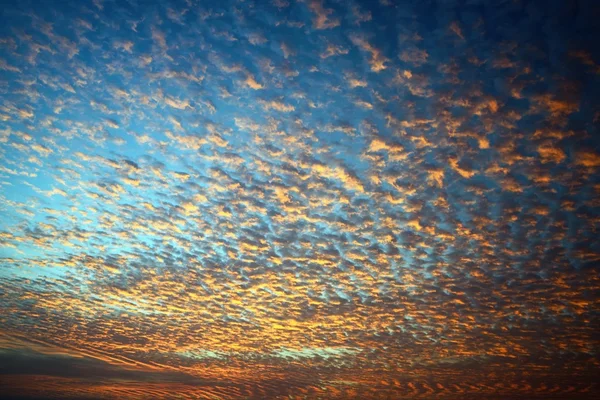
299	199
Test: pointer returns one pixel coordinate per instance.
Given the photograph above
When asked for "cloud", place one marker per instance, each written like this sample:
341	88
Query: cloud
277	105
322	16
159	38
549	153
377	60
333	50
414	56
588	159
456	29
251	82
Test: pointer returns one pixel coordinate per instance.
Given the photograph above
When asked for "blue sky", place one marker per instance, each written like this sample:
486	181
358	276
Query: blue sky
358	199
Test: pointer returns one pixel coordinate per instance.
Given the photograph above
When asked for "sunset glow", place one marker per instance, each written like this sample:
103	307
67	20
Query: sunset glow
299	199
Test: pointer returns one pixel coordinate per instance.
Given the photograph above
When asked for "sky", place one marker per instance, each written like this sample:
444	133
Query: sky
299	199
